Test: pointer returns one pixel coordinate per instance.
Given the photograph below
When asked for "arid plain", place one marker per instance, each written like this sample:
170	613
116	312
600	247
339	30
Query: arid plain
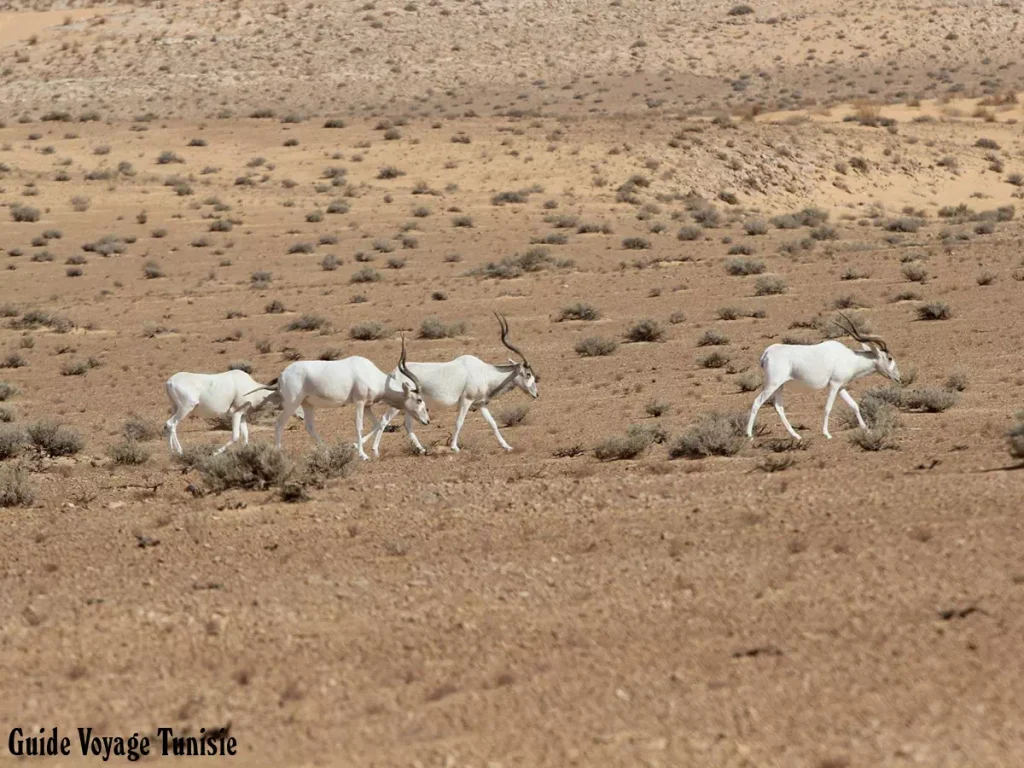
198	185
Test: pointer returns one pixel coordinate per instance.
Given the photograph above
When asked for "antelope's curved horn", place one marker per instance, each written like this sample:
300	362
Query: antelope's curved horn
504	337
404	369
865	338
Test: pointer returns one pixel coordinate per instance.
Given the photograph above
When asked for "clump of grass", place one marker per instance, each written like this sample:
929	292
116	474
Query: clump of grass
741	249
369	331
328	462
128	453
986	278
645	330
656	408
713	434
260	279
749	381
74	368
593	346
903	224
137	428
957	381
256	466
532	260
13	360
714	359
24	213
435	328
622	447
874	439
578	311
769	286
689	232
329	263
936	310
915	273
365	275
755	227
275	307
712	338
11	442
308	323
514	416
635	244
1015	438
7	391
744	267
53	439
929	399
16	489
167	157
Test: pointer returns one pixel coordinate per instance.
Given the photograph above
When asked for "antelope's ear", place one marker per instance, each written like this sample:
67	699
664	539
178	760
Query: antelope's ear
405	387
866	347
513	362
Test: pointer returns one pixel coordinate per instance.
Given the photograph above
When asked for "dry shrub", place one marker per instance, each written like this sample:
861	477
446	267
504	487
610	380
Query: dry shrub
656	408
619	448
256	466
936	310
11	442
874	439
512	417
593	346
645	330
714	434
16	488
929	399
54	439
744	267
327	462
769	286
749	381
1016	438
578	311
308	323
369	331
128	453
434	328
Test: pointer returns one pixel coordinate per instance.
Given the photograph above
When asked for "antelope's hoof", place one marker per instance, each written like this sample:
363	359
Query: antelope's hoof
827	436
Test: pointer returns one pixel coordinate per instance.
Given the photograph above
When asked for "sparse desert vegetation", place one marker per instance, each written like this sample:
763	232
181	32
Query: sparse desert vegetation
652	194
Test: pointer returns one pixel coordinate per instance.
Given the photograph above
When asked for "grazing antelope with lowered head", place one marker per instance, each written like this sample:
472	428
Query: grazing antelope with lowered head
466	381
829	364
312	384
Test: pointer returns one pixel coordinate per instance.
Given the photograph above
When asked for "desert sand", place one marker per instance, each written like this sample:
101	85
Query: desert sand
199	185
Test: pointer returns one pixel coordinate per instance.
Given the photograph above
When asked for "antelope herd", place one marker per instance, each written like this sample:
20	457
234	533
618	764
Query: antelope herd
468	382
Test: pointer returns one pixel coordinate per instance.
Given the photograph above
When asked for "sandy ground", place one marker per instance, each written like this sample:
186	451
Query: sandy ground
488	609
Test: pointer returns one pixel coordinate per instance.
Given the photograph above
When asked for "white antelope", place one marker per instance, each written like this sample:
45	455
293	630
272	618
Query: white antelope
215	394
467	381
312	384
829	364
